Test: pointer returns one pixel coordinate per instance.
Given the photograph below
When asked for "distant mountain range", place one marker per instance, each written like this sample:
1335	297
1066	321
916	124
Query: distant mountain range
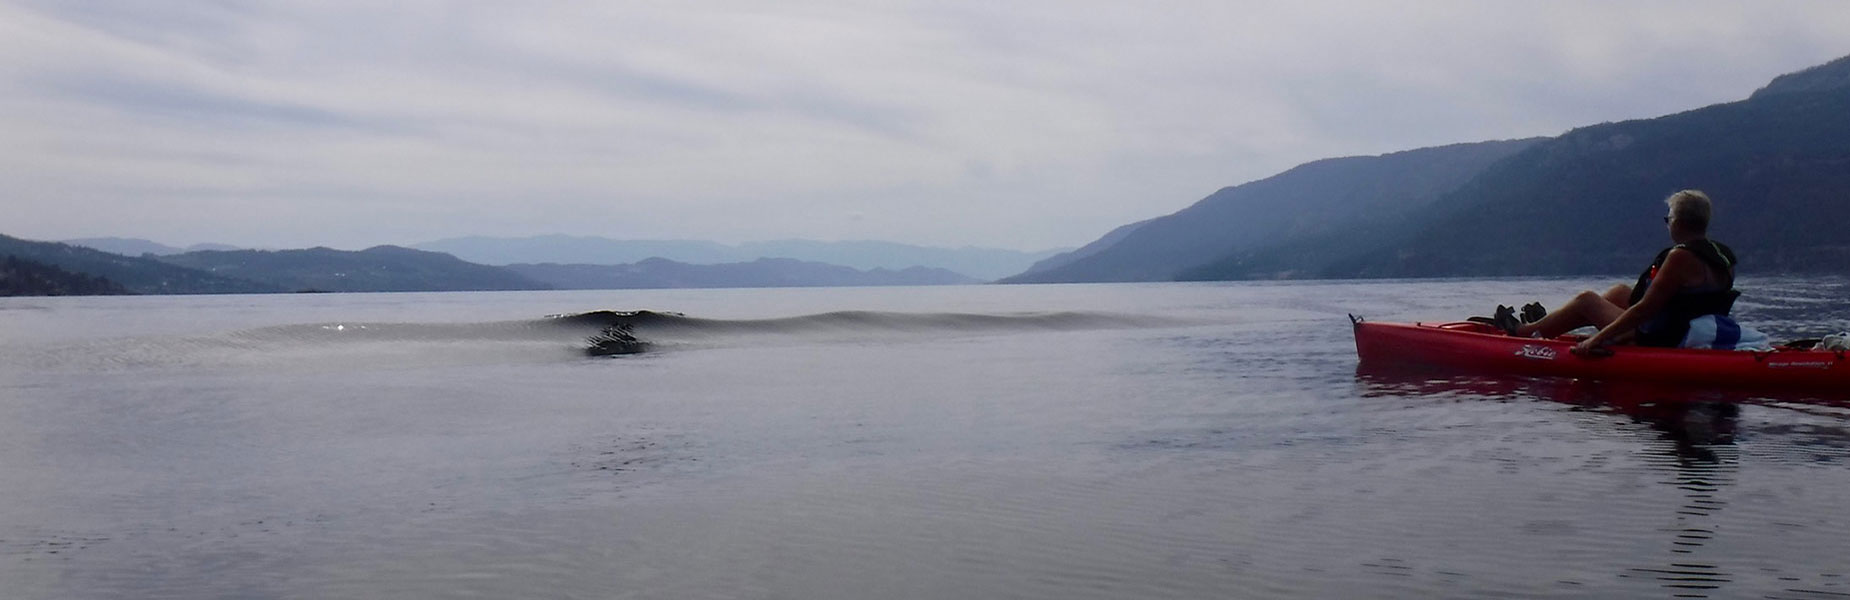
1586	202
1313	199
980	263
376	269
21	277
50	268
985	264
138	274
764	272
1063	259
138	247
1591	201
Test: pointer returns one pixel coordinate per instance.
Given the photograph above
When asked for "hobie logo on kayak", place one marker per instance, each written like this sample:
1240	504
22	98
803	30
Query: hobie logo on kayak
1800	364
1534	351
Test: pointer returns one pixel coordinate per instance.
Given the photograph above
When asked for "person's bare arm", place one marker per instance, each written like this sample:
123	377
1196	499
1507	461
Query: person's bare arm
1680	269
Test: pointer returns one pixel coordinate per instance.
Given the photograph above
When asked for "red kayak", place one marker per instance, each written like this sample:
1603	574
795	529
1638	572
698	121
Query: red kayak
1479	347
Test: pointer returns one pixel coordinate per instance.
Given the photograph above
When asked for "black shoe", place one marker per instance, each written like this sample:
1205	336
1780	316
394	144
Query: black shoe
1505	319
1533	312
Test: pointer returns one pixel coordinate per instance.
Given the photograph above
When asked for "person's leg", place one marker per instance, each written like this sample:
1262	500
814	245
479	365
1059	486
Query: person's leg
1620	296
1587	308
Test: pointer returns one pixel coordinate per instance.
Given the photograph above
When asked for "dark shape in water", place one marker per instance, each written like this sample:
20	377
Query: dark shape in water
616	338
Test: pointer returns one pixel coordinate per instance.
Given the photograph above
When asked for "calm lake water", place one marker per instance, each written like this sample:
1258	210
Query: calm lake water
1087	441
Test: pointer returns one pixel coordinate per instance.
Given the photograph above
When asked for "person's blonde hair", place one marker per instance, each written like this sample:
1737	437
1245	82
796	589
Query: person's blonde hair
1692	207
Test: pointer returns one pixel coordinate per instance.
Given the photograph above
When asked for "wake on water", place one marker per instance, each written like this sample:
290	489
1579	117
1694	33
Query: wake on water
672	324
631	332
548	339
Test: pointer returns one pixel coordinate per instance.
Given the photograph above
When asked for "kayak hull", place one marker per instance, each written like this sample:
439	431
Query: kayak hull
1480	348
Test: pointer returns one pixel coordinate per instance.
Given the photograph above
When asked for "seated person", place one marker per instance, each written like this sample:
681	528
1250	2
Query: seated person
1693	278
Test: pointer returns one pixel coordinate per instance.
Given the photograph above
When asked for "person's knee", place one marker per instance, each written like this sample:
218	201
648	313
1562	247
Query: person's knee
1620	295
1586	296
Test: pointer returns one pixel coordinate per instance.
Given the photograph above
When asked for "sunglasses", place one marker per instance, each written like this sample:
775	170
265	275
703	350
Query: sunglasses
1667	219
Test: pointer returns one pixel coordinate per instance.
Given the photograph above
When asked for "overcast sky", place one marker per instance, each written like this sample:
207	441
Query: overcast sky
1016	124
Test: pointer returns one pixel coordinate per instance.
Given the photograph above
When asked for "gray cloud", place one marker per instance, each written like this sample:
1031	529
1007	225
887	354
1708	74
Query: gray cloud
1024	124
156	99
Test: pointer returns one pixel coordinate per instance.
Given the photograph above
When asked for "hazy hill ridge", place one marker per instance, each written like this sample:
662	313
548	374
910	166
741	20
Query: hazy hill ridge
376	269
1591	201
1110	239
1586	202
1834	75
141	275
1311	199
764	272
20	277
138	246
67	269
980	263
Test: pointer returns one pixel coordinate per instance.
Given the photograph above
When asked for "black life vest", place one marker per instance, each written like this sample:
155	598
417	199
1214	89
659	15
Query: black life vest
1670	325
